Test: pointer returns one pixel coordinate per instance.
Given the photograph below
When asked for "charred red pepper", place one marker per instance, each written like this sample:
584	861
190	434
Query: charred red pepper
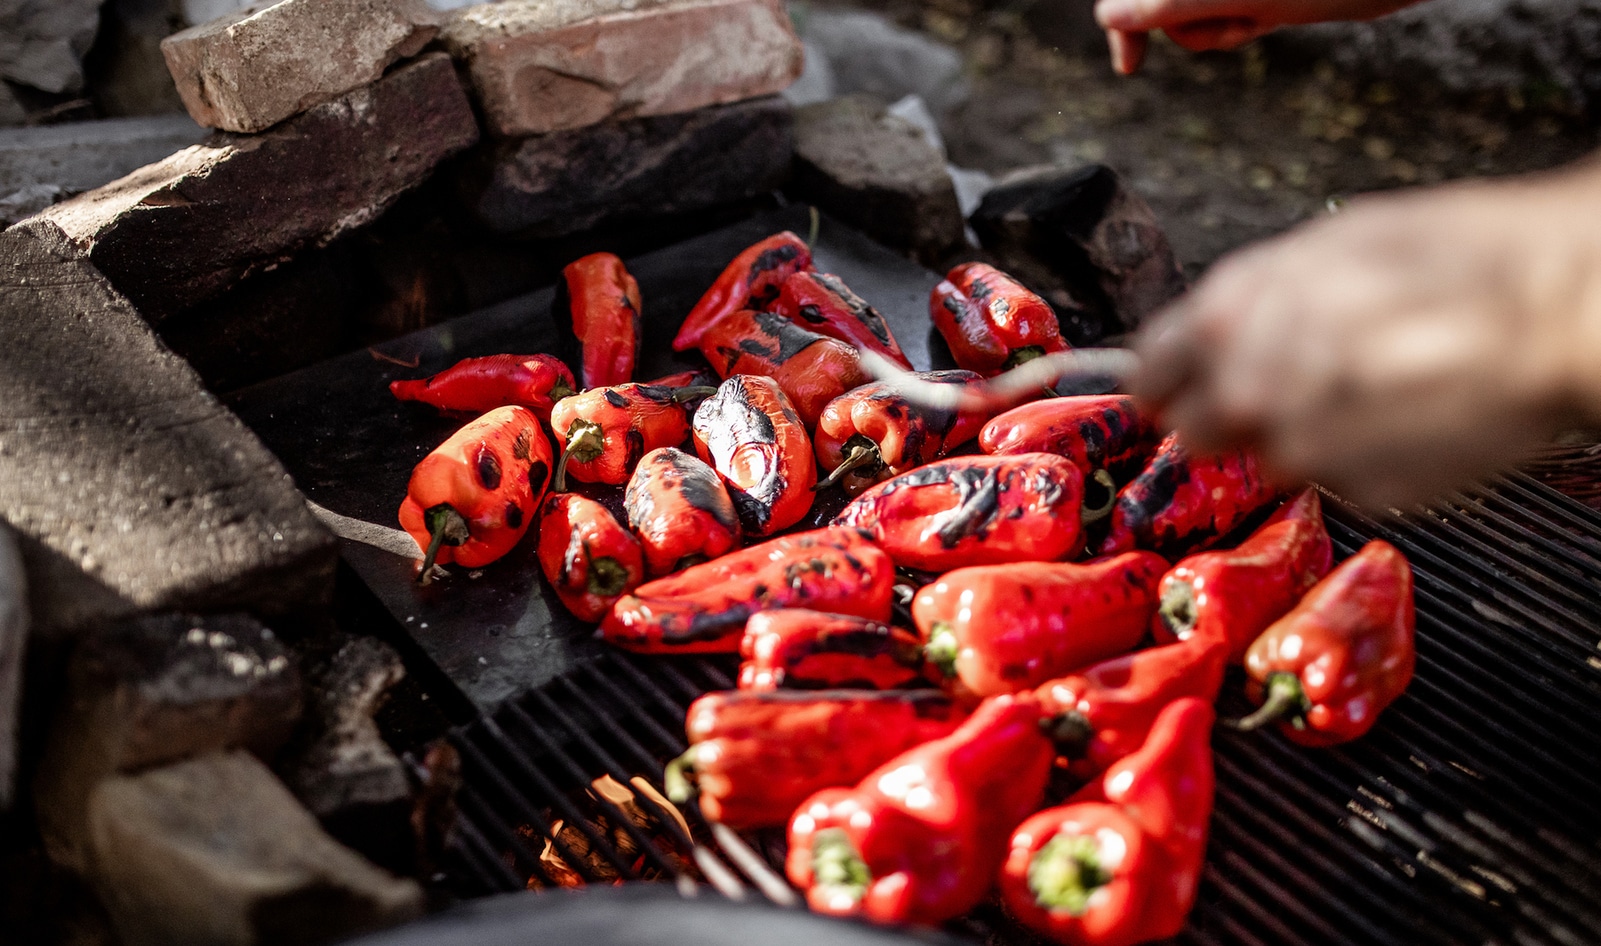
1233	596
1329	667
1120	863
1003	628
1182	501
698	378
811	650
754	756
990	321
604	432
472	498
824	304
811	369
1097	432
479	385
920	838
869	434
602	301
752	281
974	511
704	609
750	434
679	509
589	557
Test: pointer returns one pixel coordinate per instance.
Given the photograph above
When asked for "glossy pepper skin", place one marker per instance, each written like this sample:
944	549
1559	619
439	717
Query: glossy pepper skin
471	500
479	385
1329	667
1182	501
811	369
755	755
679	509
603	302
1105	711
1097	432
920	838
1120	863
990	321
704	609
974	511
1003	628
589	557
752	281
869	434
798	649
822	303
1232	596
750	434
604	432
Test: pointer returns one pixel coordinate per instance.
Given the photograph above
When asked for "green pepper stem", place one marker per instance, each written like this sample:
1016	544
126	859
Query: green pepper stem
584	439
1070	732
1023	356
1284	699
1178	609
837	867
942	648
690	392
560	391
1065	872
607	577
1108	488
817	225
677	779
445	526
857	458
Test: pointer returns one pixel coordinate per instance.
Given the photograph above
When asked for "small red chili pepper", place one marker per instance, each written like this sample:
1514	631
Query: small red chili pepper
602	301
749	432
1232	596
990	321
754	756
704	609
604	432
471	500
1181	500
1120	863
810	650
974	511
1003	628
479	385
811	369
920	838
869	434
751	281
589	557
1329	667
824	304
679	509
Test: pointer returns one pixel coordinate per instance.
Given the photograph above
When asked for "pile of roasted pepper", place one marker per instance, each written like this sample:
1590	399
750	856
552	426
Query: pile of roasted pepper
1054	593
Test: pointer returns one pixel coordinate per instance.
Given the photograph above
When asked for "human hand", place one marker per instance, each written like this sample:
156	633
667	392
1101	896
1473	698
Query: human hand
1410	344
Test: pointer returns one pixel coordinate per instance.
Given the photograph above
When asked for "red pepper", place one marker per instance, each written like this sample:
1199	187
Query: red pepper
990	321
1003	628
1329	667
589	557
824	304
869	434
974	511
602	300
812	369
919	839
604	432
479	385
755	756
471	500
679	509
1105	711
1181	500
1097	432
811	650
704	609
698	378
749	432
751	281
1233	596
1120	863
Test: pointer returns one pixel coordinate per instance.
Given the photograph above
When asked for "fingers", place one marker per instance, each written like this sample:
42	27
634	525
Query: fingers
1220	33
1128	51
1142	16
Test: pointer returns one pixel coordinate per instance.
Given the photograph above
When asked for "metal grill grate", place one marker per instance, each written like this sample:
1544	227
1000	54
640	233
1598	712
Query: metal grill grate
1470	815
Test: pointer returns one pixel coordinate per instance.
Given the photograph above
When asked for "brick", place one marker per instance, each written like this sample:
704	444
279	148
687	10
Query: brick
183	230
42	44
63	160
539	66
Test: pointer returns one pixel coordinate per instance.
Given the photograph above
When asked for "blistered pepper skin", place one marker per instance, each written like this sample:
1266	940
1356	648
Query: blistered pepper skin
990	321
602	301
588	557
750	434
679	509
1182	501
1096	432
604	432
479	385
796	648
752	281
881	434
811	369
823	304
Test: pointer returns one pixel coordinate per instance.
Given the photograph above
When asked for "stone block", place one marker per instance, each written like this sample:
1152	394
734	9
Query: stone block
252	69
155	691
63	160
570	181
13	643
42	42
539	66
181	231
216	852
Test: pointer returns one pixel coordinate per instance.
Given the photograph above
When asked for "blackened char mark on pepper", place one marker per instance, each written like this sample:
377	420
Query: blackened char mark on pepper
523	445
659	393
1047	487
514	516
488	467
633	447
706	625
1093	436
791	338
959	307
764	292
855	305
701	488
538	473
939	419
1153	492
979	491
730	420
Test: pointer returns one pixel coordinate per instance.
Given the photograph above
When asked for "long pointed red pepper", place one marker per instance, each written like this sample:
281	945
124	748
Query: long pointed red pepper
824	304
1182	501
751	281
749	432
871	433
602	301
479	385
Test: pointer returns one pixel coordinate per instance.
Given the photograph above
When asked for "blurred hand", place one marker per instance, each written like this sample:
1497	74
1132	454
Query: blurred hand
1217	24
1405	346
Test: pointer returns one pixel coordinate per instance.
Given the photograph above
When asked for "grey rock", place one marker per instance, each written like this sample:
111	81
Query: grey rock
42	42
12	111
216	852
816	82
13	643
869	54
56	161
196	12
